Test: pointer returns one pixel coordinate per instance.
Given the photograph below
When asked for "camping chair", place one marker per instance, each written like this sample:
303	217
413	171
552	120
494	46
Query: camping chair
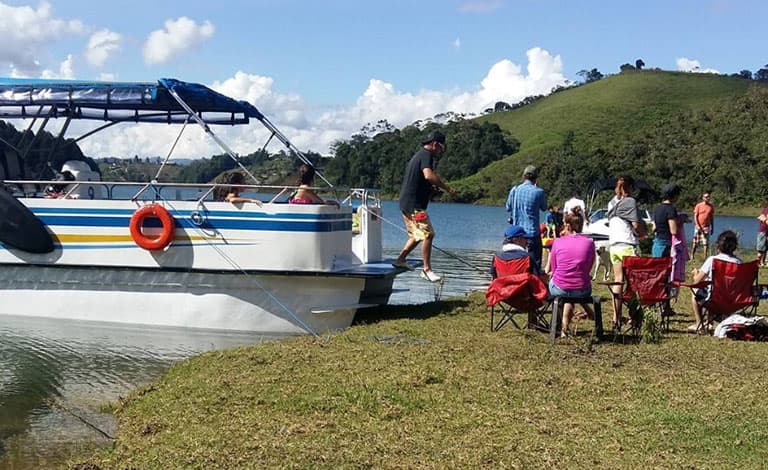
733	289
515	290
646	284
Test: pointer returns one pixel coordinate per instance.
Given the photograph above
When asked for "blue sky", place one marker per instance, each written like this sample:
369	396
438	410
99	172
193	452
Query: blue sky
325	68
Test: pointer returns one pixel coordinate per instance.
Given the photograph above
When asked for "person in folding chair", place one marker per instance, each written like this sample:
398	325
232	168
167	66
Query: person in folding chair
515	246
727	243
516	287
571	260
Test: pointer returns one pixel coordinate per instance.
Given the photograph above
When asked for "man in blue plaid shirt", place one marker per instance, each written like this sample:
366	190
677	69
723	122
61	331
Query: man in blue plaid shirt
525	203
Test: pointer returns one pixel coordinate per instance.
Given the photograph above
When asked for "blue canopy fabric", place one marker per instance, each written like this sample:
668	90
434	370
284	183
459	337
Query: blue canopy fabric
137	102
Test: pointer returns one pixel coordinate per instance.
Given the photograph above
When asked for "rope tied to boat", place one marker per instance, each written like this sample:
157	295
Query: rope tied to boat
189	223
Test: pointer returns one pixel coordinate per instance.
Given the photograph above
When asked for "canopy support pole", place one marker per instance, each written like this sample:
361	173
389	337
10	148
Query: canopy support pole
282	138
170	152
207	129
270	127
55	146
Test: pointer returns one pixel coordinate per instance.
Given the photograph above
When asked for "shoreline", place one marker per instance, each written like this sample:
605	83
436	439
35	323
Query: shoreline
429	385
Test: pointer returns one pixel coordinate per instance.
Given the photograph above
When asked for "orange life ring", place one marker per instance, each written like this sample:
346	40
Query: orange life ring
152	211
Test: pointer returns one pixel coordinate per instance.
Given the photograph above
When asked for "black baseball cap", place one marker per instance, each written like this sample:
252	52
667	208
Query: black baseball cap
434	136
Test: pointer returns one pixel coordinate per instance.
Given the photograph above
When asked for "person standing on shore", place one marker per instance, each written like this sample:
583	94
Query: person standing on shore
525	203
762	236
665	220
574	202
416	190
704	224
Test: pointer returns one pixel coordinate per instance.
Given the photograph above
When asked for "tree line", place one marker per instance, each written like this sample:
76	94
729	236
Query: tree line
722	150
379	161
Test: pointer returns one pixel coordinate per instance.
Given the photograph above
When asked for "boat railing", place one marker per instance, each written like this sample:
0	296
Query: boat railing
199	192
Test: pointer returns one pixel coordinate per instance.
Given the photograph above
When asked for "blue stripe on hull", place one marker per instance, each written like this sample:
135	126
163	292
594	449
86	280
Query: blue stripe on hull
210	223
75	211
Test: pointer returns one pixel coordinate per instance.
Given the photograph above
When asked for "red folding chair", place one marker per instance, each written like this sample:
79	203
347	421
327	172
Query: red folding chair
733	289
647	282
515	290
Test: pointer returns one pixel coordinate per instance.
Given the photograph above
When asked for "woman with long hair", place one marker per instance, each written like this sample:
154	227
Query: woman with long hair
624	227
231	193
304	194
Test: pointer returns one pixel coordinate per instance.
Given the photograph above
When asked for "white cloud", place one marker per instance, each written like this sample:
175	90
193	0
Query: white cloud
101	45
457	43
26	31
179	35
66	70
692	65
107	77
313	129
482	6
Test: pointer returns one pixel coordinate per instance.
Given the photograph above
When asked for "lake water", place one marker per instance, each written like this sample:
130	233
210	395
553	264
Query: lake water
55	375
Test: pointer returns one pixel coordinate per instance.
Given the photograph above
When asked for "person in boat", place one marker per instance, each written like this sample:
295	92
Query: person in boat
418	182
55	191
665	219
571	260
304	194
524	203
624	228
235	181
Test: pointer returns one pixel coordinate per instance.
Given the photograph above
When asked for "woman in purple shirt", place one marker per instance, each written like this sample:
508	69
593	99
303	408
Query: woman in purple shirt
571	260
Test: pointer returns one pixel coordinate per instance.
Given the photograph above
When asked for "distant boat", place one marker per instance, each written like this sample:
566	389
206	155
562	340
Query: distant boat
158	256
597	226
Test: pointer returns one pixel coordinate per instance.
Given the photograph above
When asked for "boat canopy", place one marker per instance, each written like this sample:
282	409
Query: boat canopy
120	102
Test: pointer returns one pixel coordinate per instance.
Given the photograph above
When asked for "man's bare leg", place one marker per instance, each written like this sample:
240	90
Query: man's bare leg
410	244
426	253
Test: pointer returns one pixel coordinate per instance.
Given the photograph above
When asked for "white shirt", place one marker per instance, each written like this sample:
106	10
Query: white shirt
620	230
574	202
707	266
513	247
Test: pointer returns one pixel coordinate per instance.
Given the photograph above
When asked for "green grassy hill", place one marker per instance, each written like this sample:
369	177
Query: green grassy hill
648	123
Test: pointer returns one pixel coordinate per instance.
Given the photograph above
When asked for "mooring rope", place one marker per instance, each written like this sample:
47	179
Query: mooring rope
235	265
441	250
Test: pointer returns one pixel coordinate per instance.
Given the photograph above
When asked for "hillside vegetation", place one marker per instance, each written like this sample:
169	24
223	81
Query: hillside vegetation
706	132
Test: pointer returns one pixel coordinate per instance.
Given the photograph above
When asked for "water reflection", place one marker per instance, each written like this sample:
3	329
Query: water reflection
54	374
463	271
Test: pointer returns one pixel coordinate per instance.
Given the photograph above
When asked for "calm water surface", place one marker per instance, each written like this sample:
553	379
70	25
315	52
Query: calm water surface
53	373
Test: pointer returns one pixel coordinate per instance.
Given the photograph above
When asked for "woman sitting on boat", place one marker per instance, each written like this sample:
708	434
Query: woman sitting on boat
305	195
57	191
235	180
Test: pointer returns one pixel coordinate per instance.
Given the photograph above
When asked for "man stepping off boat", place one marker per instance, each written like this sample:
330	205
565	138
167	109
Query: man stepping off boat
415	193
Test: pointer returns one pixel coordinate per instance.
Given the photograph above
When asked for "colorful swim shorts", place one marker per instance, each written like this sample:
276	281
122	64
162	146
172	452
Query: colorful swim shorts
418	225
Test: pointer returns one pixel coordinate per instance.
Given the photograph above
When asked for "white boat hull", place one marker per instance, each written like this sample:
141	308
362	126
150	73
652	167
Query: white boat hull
222	301
277	269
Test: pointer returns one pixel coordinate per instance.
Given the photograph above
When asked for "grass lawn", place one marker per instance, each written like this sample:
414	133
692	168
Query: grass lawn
430	386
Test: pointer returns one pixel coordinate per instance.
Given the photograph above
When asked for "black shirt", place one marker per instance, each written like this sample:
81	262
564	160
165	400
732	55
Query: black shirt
416	190
661	216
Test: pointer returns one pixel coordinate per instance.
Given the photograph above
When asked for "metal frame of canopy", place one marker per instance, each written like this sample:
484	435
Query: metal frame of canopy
169	101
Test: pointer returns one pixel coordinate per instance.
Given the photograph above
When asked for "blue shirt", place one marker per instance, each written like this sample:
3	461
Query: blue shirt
524	204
